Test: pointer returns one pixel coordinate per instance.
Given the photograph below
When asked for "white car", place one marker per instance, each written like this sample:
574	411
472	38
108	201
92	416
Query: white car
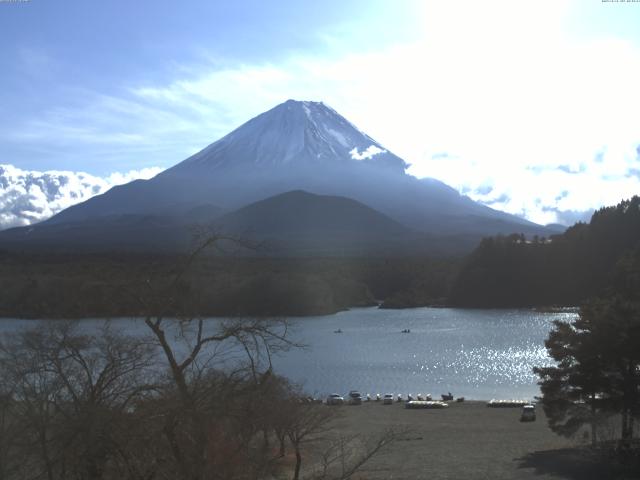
388	399
335	399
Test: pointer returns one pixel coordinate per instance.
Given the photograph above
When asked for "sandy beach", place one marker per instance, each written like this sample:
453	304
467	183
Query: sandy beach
466	441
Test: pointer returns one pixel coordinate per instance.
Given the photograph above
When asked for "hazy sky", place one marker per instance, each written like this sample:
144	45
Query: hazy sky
529	106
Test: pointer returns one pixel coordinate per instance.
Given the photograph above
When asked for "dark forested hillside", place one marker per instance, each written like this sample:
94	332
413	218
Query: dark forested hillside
503	271
81	285
563	270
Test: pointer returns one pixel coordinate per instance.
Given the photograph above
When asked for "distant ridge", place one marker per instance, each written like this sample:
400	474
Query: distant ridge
296	221
303	213
300	221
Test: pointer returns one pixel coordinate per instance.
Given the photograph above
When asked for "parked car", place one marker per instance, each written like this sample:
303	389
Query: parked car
528	413
355	398
335	399
388	399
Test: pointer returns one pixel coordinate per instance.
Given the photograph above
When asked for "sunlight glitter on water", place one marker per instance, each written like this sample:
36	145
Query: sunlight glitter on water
478	354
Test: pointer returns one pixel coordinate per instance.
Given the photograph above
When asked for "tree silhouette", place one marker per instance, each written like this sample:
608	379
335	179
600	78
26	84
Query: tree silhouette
598	362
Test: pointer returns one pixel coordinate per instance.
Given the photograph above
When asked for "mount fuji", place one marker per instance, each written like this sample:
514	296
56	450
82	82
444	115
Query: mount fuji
296	146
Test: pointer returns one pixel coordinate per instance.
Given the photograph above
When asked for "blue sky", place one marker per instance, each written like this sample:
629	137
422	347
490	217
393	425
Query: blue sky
70	68
530	107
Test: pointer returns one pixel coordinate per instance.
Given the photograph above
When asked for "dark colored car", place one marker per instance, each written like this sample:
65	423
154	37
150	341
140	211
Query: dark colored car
528	413
355	398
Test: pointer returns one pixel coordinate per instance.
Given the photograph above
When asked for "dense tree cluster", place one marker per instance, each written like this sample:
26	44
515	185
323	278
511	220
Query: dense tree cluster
80	286
177	398
598	371
68	399
596	380
101	406
566	269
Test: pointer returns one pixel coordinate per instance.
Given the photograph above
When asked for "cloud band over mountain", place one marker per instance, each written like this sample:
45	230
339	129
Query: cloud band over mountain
28	197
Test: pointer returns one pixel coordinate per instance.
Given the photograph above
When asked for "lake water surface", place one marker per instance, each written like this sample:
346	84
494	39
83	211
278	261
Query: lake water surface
478	354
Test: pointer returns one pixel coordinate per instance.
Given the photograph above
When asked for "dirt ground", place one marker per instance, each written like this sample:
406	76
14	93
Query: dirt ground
467	441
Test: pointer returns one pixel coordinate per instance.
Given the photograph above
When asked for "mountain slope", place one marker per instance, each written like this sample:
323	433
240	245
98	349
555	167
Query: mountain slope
291	134
302	213
298	221
299	146
308	146
293	222
139	232
118	232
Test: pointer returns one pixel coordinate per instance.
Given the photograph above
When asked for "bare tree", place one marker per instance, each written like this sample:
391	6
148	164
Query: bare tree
307	421
71	392
346	456
225	394
193	398
192	347
9	432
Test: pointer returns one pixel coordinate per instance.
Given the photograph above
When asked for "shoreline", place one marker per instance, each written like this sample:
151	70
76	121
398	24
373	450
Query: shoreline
330	313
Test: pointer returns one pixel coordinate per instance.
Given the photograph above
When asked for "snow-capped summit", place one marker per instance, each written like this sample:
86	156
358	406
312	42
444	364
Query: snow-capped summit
294	133
299	146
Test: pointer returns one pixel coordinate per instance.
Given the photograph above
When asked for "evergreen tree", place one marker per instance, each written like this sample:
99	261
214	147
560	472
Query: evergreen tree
598	368
572	391
566	269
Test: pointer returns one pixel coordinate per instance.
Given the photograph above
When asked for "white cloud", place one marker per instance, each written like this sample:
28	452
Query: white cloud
546	193
28	197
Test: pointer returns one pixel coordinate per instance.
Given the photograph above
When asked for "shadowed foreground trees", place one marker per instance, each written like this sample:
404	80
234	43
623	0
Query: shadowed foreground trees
178	398
95	404
67	400
597	377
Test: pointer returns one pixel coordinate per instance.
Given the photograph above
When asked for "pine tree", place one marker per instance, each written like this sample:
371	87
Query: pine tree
598	368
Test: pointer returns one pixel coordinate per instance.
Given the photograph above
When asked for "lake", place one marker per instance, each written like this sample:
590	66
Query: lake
478	354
